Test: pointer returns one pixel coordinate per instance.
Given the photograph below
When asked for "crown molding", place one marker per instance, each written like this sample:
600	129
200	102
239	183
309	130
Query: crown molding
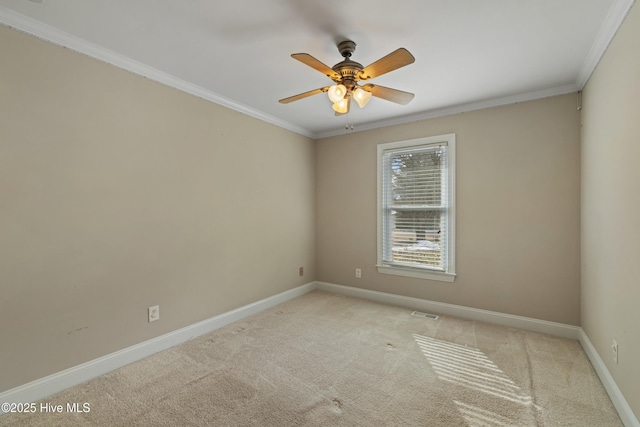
53	35
614	19
616	16
455	109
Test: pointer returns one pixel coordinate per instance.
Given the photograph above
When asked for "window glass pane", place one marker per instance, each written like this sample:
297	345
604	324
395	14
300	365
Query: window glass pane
417	177
417	237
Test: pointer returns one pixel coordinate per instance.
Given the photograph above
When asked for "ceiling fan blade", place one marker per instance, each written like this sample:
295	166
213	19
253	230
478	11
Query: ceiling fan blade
396	59
304	95
312	62
393	95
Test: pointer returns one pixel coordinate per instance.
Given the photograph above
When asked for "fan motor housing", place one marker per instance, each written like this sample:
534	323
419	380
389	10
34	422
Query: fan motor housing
347	69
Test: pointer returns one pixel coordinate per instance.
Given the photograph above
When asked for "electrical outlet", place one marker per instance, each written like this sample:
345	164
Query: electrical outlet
614	351
154	313
301	271
358	273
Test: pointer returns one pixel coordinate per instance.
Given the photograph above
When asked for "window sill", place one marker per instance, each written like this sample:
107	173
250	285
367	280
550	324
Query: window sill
417	273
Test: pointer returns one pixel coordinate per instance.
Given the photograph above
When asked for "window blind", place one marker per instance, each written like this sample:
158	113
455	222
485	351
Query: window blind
414	204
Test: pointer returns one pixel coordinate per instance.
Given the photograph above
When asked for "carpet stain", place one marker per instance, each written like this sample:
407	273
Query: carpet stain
337	406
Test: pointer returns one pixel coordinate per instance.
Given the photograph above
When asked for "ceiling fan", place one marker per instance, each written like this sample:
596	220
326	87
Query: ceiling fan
348	73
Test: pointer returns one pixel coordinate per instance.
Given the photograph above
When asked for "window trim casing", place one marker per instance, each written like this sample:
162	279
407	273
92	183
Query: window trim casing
445	276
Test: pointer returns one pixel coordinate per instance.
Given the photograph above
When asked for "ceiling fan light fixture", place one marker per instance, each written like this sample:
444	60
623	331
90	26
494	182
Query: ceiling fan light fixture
361	96
341	106
337	92
348	73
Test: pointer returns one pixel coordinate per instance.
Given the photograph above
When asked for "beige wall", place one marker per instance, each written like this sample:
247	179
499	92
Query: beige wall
611	208
118	193
518	207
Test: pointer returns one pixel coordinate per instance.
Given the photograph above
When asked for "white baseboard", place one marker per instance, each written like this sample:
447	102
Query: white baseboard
59	381
54	383
526	323
618	400
520	322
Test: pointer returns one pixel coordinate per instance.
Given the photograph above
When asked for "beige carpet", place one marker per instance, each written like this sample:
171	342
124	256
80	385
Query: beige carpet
330	360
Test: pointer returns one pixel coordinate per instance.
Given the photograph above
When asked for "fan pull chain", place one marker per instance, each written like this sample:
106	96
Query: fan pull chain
348	126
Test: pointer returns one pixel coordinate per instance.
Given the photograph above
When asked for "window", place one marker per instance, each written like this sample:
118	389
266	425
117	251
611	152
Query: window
416	208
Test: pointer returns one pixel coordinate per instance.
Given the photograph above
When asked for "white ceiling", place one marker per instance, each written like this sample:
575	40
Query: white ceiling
469	53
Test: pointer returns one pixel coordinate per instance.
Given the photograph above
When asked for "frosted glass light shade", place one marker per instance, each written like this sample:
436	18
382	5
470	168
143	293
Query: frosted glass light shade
341	106
337	92
361	96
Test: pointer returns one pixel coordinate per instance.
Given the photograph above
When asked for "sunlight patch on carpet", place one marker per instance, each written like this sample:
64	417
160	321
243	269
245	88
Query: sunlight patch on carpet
470	367
479	417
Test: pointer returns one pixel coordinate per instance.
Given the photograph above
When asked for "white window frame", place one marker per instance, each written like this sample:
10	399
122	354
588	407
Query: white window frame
417	272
